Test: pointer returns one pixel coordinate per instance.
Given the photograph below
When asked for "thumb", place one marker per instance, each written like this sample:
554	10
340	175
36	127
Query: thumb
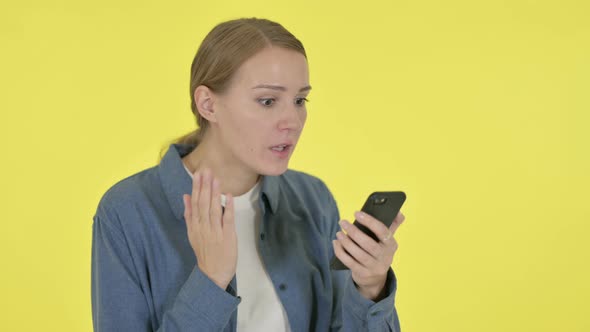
399	219
228	214
187	207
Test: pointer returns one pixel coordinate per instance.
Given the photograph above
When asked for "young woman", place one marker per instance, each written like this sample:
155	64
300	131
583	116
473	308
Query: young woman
221	235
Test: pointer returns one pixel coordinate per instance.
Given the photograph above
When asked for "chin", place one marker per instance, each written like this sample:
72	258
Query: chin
273	170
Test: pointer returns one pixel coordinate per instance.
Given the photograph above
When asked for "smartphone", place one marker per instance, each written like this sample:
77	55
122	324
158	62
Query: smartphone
383	206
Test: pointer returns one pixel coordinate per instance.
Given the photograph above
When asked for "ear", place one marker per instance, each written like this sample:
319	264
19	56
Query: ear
204	99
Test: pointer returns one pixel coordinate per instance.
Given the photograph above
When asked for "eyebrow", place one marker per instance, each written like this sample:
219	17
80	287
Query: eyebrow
279	87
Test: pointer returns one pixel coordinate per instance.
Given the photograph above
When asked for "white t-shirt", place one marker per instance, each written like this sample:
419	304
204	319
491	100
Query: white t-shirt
260	308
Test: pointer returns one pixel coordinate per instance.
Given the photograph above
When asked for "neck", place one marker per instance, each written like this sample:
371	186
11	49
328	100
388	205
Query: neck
234	178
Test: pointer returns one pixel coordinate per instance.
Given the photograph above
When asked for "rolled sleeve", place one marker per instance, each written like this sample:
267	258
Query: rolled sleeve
379	316
220	304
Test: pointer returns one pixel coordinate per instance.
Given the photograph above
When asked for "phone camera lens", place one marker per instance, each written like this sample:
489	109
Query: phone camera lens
380	200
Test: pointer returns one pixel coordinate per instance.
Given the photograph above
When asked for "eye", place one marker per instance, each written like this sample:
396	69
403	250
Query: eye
266	101
301	101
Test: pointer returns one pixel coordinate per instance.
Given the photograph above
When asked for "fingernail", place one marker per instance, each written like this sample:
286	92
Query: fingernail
359	215
339	235
215	183
344	224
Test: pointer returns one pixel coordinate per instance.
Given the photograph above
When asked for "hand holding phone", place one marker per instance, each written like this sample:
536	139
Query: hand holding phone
383	206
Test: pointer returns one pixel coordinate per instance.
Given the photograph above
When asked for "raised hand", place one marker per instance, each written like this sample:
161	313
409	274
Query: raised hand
211	232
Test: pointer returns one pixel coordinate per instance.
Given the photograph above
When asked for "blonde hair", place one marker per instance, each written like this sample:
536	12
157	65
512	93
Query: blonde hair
222	52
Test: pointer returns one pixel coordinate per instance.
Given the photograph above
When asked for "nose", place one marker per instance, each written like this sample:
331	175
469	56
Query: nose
292	118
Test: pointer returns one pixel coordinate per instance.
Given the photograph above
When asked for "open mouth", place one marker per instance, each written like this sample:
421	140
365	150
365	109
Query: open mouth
281	148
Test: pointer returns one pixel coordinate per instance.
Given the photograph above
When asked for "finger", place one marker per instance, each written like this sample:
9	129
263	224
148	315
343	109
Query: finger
194	203
344	257
215	209
373	224
399	219
393	245
390	249
355	251
228	214
186	201
362	239
205	199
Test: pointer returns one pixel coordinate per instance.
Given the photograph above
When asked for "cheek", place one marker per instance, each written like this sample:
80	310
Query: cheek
246	134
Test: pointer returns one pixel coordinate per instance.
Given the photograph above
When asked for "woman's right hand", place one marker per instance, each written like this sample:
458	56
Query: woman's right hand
211	233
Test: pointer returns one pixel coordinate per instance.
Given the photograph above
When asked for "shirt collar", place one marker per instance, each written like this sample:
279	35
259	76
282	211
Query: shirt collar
176	181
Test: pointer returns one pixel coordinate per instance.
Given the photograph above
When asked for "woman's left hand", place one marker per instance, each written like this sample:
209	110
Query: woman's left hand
368	260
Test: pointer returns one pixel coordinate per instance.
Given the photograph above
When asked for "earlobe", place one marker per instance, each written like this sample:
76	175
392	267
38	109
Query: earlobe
204	102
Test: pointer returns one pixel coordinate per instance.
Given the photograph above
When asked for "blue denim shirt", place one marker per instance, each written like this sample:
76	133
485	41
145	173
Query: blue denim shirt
145	275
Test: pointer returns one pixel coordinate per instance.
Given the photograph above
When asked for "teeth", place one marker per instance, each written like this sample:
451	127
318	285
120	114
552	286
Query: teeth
279	148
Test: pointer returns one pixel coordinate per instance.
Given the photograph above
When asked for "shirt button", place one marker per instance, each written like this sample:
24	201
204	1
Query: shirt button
262	236
282	287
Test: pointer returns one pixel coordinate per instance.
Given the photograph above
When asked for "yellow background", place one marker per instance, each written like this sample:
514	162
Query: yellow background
477	109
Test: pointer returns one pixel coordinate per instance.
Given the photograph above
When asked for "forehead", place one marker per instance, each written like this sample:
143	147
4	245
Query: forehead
274	65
